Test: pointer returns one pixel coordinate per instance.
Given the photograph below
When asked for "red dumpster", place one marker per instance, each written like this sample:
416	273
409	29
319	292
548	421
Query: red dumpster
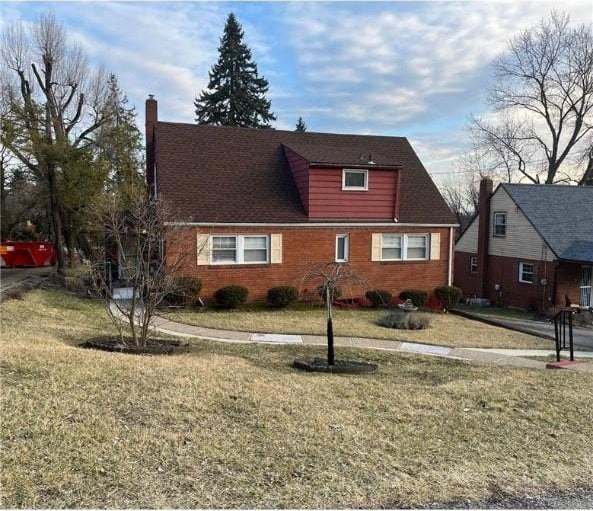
27	253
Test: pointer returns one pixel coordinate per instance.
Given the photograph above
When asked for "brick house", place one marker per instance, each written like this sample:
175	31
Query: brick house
530	246
254	207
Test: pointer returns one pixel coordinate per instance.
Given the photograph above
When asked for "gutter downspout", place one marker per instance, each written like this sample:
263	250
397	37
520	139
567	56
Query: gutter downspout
450	269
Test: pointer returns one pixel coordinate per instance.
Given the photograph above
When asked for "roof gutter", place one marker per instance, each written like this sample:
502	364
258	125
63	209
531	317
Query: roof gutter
306	224
377	166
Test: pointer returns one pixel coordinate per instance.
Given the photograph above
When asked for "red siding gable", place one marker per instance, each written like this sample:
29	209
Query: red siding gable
320	190
299	167
328	200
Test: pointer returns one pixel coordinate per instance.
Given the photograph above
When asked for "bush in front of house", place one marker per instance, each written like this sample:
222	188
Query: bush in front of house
417	296
404	320
334	292
378	297
282	296
231	297
449	296
187	291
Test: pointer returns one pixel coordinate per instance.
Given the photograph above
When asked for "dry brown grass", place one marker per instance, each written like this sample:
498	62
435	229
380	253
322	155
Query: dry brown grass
235	426
445	329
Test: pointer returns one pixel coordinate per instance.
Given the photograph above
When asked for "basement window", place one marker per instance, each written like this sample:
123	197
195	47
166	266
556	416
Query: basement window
526	273
356	180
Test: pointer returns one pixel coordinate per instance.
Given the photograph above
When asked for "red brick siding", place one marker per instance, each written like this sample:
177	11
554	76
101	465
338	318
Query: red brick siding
469	282
562	279
505	271
328	200
301	246
568	283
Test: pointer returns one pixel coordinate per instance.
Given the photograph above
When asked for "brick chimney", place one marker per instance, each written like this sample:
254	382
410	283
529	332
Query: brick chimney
151	118
483	234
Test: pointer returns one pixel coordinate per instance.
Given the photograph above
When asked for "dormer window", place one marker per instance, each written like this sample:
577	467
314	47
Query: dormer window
355	180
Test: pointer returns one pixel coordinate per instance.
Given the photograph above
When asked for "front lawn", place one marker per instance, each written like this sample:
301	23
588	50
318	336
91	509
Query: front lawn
445	330
235	426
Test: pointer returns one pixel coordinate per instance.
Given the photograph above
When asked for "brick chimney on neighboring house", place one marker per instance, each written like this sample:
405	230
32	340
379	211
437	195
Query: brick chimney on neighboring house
151	118
484	234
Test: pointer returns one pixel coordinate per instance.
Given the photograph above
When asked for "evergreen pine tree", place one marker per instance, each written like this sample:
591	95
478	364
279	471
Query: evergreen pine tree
300	125
236	93
120	145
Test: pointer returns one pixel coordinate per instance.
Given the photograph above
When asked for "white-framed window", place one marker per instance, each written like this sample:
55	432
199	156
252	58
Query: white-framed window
355	179
473	264
239	249
500	224
407	247
526	273
416	246
342	248
391	247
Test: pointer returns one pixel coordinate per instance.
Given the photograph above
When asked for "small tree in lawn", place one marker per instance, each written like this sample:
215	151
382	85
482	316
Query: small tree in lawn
333	278
137	235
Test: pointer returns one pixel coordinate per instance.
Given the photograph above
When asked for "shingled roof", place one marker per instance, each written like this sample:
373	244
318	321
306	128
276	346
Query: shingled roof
241	175
563	216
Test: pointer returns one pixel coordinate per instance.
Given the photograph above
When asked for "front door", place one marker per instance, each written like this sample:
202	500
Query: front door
586	296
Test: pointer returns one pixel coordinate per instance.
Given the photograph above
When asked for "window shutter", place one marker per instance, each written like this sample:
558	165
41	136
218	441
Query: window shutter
203	249
276	248
435	246
376	246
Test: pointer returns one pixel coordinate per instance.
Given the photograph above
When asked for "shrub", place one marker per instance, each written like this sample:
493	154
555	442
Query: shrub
334	292
378	297
417	296
231	297
449	295
188	289
404	320
282	296
186	292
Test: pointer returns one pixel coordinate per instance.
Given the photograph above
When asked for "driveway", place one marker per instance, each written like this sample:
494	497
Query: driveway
10	277
583	337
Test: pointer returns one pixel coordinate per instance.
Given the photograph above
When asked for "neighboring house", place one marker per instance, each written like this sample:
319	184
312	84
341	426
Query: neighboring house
255	206
530	246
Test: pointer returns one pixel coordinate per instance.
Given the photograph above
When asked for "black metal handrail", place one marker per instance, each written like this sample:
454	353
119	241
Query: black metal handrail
561	320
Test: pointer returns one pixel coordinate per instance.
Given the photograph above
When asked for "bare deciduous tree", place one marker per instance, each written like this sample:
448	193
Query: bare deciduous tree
137	237
52	105
332	279
544	91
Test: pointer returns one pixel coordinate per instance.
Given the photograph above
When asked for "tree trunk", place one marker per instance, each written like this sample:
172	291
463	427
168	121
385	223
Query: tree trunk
56	221
330	343
587	179
69	241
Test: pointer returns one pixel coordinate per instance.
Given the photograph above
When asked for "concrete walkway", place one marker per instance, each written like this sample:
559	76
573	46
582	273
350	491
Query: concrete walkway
583	337
480	355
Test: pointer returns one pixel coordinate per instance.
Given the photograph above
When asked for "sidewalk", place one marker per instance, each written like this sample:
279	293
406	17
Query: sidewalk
583	337
504	357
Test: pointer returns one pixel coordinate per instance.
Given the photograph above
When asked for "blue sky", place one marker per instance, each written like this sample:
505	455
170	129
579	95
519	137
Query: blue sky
415	69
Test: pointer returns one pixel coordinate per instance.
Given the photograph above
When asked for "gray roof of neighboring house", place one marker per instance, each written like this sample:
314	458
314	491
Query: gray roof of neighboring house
563	216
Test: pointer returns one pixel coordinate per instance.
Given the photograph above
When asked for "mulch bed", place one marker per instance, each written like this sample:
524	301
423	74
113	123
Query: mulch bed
319	365
153	346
